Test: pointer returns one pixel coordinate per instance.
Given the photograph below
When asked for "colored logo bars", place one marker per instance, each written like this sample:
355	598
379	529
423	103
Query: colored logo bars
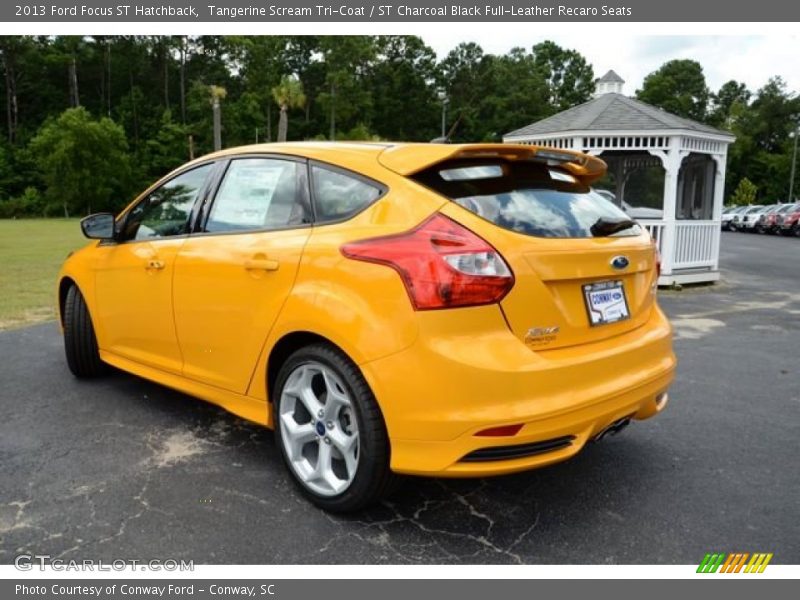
735	563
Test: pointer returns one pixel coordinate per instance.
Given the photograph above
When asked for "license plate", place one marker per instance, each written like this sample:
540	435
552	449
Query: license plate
605	302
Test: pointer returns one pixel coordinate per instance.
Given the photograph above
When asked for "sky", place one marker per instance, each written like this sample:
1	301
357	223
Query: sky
752	59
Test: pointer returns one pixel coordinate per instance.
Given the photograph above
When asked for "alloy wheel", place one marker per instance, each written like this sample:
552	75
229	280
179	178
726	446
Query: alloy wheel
319	429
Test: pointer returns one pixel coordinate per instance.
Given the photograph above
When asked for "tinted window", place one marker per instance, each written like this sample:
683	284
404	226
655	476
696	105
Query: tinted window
528	197
166	211
338	195
257	194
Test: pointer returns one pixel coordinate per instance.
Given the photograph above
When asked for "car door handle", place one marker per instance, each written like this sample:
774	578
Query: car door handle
155	264
261	264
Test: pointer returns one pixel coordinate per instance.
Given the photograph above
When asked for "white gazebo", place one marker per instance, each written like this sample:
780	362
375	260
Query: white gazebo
644	145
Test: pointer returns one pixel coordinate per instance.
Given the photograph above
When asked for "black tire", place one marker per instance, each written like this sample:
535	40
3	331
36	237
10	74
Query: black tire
80	342
796	229
373	479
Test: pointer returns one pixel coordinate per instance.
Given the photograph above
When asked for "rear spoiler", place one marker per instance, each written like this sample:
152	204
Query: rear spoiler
407	159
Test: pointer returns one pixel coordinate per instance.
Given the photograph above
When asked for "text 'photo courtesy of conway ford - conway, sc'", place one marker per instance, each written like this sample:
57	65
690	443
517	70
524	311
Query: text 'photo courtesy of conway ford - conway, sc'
429	309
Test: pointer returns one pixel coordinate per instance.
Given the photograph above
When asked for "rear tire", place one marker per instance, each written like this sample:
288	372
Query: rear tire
330	430
80	342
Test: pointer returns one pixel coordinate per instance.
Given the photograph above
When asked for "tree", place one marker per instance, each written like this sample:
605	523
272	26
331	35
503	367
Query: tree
70	48
518	94
464	76
287	94
84	162
217	94
11	48
728	103
745	193
678	86
763	148
166	150
348	61
569	78
405	104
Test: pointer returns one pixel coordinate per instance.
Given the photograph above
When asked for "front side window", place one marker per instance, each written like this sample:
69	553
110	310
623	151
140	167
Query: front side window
529	197
258	194
166	211
338	195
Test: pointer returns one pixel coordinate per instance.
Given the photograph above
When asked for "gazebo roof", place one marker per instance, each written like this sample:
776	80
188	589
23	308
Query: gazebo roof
611	77
614	112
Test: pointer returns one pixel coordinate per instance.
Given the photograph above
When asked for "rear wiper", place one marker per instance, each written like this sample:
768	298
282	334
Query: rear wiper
604	228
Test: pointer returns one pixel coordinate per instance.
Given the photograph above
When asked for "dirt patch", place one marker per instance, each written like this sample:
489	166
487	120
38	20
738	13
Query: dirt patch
177	447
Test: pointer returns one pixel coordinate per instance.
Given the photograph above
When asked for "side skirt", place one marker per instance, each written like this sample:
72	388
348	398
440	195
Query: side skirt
245	407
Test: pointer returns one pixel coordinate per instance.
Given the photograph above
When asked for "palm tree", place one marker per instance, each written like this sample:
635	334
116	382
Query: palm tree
287	94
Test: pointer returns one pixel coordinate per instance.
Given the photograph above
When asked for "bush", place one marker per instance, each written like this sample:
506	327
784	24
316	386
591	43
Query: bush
745	193
84	162
30	204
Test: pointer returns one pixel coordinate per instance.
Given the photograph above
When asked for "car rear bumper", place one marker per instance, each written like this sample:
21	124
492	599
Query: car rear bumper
448	386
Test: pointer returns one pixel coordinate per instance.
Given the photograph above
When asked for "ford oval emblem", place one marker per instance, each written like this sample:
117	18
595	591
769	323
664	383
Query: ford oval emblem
620	262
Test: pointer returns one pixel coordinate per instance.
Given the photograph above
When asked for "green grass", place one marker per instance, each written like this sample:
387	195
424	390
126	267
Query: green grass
31	253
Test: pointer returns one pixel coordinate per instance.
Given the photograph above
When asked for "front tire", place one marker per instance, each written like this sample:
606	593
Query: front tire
80	342
330	430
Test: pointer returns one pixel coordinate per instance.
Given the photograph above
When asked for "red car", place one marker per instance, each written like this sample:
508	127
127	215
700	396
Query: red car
770	222
789	221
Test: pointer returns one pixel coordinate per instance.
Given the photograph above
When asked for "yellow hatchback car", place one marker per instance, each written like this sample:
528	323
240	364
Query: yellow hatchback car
428	309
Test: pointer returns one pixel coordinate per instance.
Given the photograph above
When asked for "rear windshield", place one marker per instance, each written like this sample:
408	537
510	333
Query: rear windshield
533	198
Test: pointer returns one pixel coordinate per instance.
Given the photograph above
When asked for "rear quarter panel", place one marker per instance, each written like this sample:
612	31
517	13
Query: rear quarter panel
361	307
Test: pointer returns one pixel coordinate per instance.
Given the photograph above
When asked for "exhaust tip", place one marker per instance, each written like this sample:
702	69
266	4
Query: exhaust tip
613	429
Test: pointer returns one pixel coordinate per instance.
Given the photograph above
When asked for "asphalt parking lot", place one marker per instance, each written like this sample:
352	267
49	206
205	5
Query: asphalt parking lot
125	469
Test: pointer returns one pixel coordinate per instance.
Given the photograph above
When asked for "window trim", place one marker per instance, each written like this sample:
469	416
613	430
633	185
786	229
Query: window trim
216	184
122	219
381	187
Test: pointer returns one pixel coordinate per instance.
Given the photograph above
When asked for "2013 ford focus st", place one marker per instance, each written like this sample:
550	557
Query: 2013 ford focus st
430	309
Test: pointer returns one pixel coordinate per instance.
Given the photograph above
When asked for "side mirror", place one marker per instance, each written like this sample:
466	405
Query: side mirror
99	226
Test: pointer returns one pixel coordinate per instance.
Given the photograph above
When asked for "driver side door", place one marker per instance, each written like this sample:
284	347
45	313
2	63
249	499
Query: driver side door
133	276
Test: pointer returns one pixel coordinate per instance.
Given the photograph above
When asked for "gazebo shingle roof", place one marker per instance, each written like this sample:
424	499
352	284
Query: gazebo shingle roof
611	77
613	112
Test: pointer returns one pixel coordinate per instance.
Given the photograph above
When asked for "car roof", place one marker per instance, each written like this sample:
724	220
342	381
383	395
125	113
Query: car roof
346	154
407	158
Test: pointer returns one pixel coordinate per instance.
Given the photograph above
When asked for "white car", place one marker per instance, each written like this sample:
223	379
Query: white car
730	214
748	220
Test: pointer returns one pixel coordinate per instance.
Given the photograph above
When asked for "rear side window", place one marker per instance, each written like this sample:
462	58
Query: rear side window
339	195
258	194
528	197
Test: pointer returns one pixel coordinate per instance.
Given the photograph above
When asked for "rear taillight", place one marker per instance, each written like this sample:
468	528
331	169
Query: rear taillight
442	263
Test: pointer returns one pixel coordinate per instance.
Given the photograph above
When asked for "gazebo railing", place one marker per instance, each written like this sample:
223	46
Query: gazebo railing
655	229
695	242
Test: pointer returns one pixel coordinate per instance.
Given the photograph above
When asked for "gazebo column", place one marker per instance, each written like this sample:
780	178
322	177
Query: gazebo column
720	162
671	168
671	161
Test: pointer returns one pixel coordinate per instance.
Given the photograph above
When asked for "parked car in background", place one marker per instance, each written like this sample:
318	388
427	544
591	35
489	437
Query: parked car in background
789	223
765	216
729	214
769	222
746	220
